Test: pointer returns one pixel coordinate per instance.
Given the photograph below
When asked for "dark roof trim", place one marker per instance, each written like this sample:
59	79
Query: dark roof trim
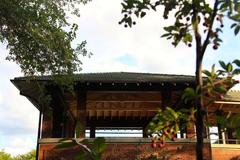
118	77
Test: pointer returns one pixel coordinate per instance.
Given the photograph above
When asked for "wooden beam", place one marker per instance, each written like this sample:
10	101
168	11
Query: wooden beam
128	96
152	106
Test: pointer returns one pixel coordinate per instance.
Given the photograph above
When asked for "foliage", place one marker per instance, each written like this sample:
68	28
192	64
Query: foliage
28	156
90	150
168	122
5	156
38	35
188	15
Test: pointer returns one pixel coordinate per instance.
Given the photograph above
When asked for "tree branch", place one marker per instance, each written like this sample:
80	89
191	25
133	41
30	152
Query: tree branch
205	44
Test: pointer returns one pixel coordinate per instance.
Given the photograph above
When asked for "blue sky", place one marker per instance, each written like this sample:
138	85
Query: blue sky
115	48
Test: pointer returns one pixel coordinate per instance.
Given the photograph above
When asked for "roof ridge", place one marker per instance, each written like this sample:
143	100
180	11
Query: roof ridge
149	73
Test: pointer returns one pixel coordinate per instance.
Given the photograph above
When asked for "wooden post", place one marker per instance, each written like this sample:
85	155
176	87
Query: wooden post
220	137
69	127
144	132
92	132
230	137
46	126
81	111
39	131
57	128
223	137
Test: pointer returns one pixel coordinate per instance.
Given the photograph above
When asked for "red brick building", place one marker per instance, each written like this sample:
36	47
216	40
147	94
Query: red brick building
121	100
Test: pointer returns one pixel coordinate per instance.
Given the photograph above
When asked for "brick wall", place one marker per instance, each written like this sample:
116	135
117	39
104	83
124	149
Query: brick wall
129	151
226	152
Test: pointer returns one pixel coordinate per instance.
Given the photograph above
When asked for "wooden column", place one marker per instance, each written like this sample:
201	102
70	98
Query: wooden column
220	137
46	126
144	132
69	127
92	132
230	137
57	129
81	110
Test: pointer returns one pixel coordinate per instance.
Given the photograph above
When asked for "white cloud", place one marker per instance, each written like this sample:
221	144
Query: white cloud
108	40
18	117
20	145
1	98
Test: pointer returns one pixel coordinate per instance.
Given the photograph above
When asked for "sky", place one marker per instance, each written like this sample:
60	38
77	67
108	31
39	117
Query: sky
114	48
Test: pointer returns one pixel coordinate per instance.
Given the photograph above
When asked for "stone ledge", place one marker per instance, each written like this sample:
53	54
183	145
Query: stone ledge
226	146
124	140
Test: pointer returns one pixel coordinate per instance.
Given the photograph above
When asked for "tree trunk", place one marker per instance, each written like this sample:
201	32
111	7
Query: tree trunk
199	113
198	103
200	50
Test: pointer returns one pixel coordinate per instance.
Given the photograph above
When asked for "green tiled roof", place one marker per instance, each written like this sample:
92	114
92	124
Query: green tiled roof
122	77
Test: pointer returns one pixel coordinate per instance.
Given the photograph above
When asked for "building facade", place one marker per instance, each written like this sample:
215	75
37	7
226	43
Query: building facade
117	101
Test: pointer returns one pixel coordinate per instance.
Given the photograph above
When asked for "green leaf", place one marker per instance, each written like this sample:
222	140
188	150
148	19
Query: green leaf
220	89
187	38
65	145
235	17
188	94
238	133
99	145
169	28
229	67
237	29
221	120
233	25
166	35
142	14
223	7
207	73
237	62
172	112
236	72
129	21
223	65
80	155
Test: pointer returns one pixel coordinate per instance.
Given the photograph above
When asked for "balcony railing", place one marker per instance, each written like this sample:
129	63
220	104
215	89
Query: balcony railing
225	141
